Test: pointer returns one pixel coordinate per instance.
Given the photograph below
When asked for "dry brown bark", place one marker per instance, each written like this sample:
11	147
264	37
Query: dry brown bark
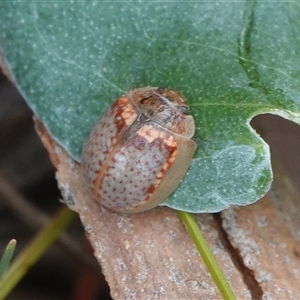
150	256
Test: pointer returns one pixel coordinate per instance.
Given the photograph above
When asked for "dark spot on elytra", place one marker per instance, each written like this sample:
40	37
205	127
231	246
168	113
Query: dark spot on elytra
140	145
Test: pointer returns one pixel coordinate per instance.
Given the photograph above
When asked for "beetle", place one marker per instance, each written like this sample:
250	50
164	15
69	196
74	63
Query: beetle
139	151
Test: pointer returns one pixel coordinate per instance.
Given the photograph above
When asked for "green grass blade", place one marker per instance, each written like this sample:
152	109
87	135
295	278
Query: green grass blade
207	256
7	256
34	250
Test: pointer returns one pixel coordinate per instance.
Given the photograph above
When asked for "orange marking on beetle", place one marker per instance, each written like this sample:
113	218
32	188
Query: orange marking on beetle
149	133
151	189
159	175
170	161
170	141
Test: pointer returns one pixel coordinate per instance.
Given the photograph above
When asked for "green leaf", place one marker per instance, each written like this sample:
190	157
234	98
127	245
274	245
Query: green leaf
7	256
232	60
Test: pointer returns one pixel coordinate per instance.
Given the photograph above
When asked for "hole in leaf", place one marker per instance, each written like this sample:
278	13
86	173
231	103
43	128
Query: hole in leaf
283	137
